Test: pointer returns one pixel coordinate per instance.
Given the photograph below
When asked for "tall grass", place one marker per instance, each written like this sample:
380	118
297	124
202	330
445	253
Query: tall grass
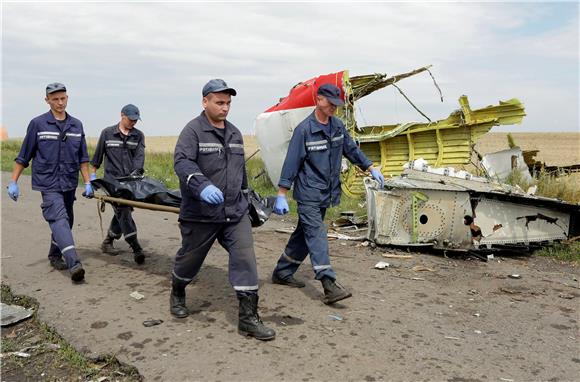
563	186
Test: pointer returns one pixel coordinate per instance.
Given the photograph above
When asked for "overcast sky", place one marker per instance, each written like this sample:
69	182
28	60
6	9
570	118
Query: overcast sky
159	55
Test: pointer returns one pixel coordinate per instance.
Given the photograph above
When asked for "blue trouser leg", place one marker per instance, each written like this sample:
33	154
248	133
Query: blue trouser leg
310	237
236	238
315	236
293	255
57	209
69	198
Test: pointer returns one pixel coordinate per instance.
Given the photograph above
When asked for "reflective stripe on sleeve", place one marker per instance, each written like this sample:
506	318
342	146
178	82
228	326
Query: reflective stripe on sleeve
190	175
130	234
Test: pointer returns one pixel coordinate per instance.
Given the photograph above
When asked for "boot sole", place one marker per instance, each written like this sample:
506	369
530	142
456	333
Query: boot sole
248	334
179	315
291	285
78	276
334	299
139	259
111	253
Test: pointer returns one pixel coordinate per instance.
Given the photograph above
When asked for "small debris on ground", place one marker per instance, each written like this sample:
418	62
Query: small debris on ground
515	276
11	314
421	268
395	256
149	323
334	317
566	296
382	265
137	296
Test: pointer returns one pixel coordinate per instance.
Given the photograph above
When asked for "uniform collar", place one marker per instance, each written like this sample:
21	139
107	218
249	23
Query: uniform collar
316	126
50	118
207	126
118	131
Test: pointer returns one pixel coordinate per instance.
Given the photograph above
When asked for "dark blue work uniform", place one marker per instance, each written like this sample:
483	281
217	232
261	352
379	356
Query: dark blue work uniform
56	148
207	155
312	164
122	154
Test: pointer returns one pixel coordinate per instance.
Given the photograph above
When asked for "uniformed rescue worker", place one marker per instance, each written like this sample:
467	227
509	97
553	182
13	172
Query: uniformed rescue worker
312	164
55	142
209	161
122	147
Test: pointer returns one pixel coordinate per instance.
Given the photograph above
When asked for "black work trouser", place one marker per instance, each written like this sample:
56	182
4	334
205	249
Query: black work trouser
236	238
122	223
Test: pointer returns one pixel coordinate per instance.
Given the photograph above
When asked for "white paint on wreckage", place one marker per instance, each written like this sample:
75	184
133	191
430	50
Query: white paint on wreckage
420	208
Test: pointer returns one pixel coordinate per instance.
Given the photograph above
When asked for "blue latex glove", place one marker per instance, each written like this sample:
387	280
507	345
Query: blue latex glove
212	195
88	193
378	176
93	176
13	190
281	205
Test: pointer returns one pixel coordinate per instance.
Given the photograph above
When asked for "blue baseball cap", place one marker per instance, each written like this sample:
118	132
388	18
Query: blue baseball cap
131	111
55	87
217	85
332	93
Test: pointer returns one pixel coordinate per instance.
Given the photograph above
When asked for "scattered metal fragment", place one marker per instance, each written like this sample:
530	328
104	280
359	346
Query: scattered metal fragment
382	265
515	276
566	296
334	317
452	338
11	314
149	323
136	295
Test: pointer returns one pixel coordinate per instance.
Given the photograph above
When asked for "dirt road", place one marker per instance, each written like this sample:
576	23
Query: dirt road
463	321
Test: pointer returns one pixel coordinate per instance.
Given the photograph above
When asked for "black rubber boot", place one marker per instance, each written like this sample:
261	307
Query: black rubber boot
138	254
288	281
77	273
249	323
107	246
333	291
177	300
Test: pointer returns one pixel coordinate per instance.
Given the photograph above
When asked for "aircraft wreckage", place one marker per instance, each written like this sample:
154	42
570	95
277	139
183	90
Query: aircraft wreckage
436	208
421	207
446	142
